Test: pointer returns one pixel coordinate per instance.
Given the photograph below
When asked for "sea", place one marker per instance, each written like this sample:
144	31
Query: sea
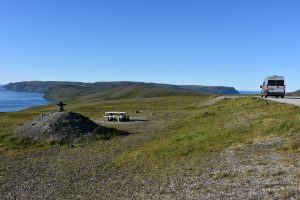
12	101
249	92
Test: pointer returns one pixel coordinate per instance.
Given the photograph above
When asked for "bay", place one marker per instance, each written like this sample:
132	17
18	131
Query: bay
11	101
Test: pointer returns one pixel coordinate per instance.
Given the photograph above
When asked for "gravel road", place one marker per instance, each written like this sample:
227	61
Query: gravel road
288	100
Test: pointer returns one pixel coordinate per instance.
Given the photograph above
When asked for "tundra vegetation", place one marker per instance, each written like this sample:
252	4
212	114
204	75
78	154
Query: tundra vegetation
177	147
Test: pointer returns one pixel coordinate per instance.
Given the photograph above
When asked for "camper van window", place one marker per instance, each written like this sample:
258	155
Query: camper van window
276	83
280	82
271	83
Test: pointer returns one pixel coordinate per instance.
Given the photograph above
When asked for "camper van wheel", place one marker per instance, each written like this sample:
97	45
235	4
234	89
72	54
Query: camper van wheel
277	97
266	96
261	96
282	96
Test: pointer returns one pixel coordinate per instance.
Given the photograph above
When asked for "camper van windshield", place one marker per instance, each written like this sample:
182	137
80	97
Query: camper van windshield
276	82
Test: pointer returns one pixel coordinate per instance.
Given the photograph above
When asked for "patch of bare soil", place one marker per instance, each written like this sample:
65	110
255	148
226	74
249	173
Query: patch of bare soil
144	126
257	171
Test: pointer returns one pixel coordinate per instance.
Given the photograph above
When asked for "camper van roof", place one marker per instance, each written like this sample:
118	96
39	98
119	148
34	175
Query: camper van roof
275	77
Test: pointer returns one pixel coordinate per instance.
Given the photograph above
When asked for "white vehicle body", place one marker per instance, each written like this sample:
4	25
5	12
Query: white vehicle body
273	86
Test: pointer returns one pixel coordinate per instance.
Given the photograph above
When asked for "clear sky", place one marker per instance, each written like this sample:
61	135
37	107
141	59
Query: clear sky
204	42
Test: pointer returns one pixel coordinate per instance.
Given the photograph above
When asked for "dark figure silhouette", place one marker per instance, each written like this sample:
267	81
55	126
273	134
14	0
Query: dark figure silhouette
61	106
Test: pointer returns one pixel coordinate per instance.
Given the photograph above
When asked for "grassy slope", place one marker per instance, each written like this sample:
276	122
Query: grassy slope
205	129
189	129
92	94
296	93
94	109
114	90
209	129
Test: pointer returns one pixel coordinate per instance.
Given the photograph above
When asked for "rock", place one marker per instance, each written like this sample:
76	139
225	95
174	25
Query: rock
60	126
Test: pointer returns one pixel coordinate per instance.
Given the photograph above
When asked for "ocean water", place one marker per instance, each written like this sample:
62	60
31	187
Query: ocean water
249	92
11	101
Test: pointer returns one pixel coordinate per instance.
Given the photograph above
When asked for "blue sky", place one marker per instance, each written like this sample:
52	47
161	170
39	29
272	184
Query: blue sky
212	42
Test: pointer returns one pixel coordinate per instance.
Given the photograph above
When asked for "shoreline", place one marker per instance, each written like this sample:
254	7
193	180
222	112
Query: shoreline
16	101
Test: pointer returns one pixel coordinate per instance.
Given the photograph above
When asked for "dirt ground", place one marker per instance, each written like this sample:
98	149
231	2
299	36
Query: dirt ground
252	172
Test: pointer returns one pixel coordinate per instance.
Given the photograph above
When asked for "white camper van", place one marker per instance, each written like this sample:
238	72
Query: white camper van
273	86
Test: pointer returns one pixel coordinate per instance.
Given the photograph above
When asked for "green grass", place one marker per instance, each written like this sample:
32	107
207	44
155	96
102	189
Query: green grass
286	194
217	127
180	148
206	129
94	110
